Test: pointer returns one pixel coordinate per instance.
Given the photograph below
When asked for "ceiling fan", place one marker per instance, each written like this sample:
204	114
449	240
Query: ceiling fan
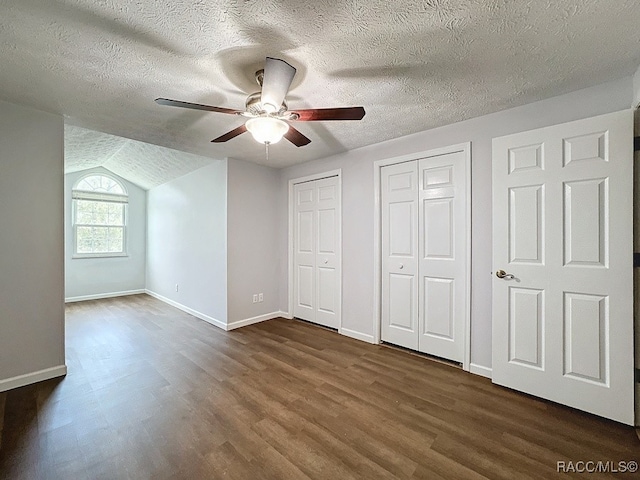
267	111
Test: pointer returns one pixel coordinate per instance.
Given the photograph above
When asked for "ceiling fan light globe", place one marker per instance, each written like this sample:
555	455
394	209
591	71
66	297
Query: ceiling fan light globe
267	129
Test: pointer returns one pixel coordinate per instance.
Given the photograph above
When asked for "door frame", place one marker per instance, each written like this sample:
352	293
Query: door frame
377	236
291	244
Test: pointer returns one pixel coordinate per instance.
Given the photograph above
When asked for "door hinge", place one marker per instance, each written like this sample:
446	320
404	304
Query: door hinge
636	144
636	260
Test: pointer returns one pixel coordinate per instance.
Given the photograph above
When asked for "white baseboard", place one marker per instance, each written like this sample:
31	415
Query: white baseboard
98	296
357	335
480	370
34	377
286	315
252	320
190	311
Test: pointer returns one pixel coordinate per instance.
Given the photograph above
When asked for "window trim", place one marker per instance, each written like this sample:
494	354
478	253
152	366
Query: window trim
99	197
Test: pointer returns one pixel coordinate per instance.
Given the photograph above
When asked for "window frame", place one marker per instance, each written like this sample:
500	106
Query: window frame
75	225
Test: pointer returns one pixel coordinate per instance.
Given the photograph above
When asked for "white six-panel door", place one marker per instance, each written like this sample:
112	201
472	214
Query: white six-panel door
442	255
399	201
562	234
316	242
424	255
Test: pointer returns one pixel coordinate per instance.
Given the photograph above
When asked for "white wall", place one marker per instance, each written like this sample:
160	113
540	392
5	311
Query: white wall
254	257
187	241
31	245
109	275
358	198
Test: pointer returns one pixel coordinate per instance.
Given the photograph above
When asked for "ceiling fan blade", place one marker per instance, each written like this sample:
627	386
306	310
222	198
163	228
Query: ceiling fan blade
342	113
277	79
295	137
196	106
229	135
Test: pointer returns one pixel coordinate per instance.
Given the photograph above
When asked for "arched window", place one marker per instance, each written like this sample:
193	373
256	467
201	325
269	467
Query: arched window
99	216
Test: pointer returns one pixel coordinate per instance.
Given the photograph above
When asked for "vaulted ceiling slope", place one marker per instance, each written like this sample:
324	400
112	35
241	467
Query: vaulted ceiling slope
413	64
141	163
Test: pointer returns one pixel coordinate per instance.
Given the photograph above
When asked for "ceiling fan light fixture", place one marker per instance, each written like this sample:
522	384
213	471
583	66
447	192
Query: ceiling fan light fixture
267	129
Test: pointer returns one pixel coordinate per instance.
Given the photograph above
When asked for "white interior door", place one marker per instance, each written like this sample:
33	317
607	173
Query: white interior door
443	255
316	240
327	252
562	232
304	240
399	200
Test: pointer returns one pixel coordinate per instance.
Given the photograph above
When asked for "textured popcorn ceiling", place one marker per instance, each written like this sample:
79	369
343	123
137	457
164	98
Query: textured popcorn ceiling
144	164
412	64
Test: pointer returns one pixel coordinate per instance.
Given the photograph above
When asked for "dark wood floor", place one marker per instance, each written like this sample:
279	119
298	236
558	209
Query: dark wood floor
155	393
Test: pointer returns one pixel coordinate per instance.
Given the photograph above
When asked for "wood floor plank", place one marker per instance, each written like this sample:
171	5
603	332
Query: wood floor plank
153	392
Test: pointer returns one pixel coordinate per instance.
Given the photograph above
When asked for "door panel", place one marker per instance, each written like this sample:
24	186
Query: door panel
305	286
438	307
401	228
585	222
305	232
304	252
562	227
526	229
402	299
438	242
328	255
442	255
526	324
326	290
399	200
586	322
327	231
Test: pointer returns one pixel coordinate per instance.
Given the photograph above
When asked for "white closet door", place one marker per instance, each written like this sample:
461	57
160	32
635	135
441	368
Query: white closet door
562	232
317	272
327	252
399	200
304	304
443	255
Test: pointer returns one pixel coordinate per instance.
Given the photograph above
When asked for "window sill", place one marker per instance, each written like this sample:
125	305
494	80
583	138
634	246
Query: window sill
78	256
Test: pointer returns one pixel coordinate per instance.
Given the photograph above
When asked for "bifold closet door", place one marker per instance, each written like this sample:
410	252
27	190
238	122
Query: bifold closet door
317	252
442	253
399	200
424	255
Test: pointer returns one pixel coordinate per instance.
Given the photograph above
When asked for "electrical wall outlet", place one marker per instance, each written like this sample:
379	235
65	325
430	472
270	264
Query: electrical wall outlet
255	298
261	297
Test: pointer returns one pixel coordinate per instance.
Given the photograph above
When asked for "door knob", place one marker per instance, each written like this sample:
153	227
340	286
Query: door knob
326	261
401	266
503	274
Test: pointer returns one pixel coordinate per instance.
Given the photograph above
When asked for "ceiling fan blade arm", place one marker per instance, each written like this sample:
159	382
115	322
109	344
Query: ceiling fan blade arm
297	138
229	135
277	79
319	114
196	106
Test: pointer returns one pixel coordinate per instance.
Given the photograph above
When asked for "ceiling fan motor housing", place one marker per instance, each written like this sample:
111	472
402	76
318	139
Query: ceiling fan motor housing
254	106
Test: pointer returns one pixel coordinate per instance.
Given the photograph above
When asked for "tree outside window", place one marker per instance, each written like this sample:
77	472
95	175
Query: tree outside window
99	217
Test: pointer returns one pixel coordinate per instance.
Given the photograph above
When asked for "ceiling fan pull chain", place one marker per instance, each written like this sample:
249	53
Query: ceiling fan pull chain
266	151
